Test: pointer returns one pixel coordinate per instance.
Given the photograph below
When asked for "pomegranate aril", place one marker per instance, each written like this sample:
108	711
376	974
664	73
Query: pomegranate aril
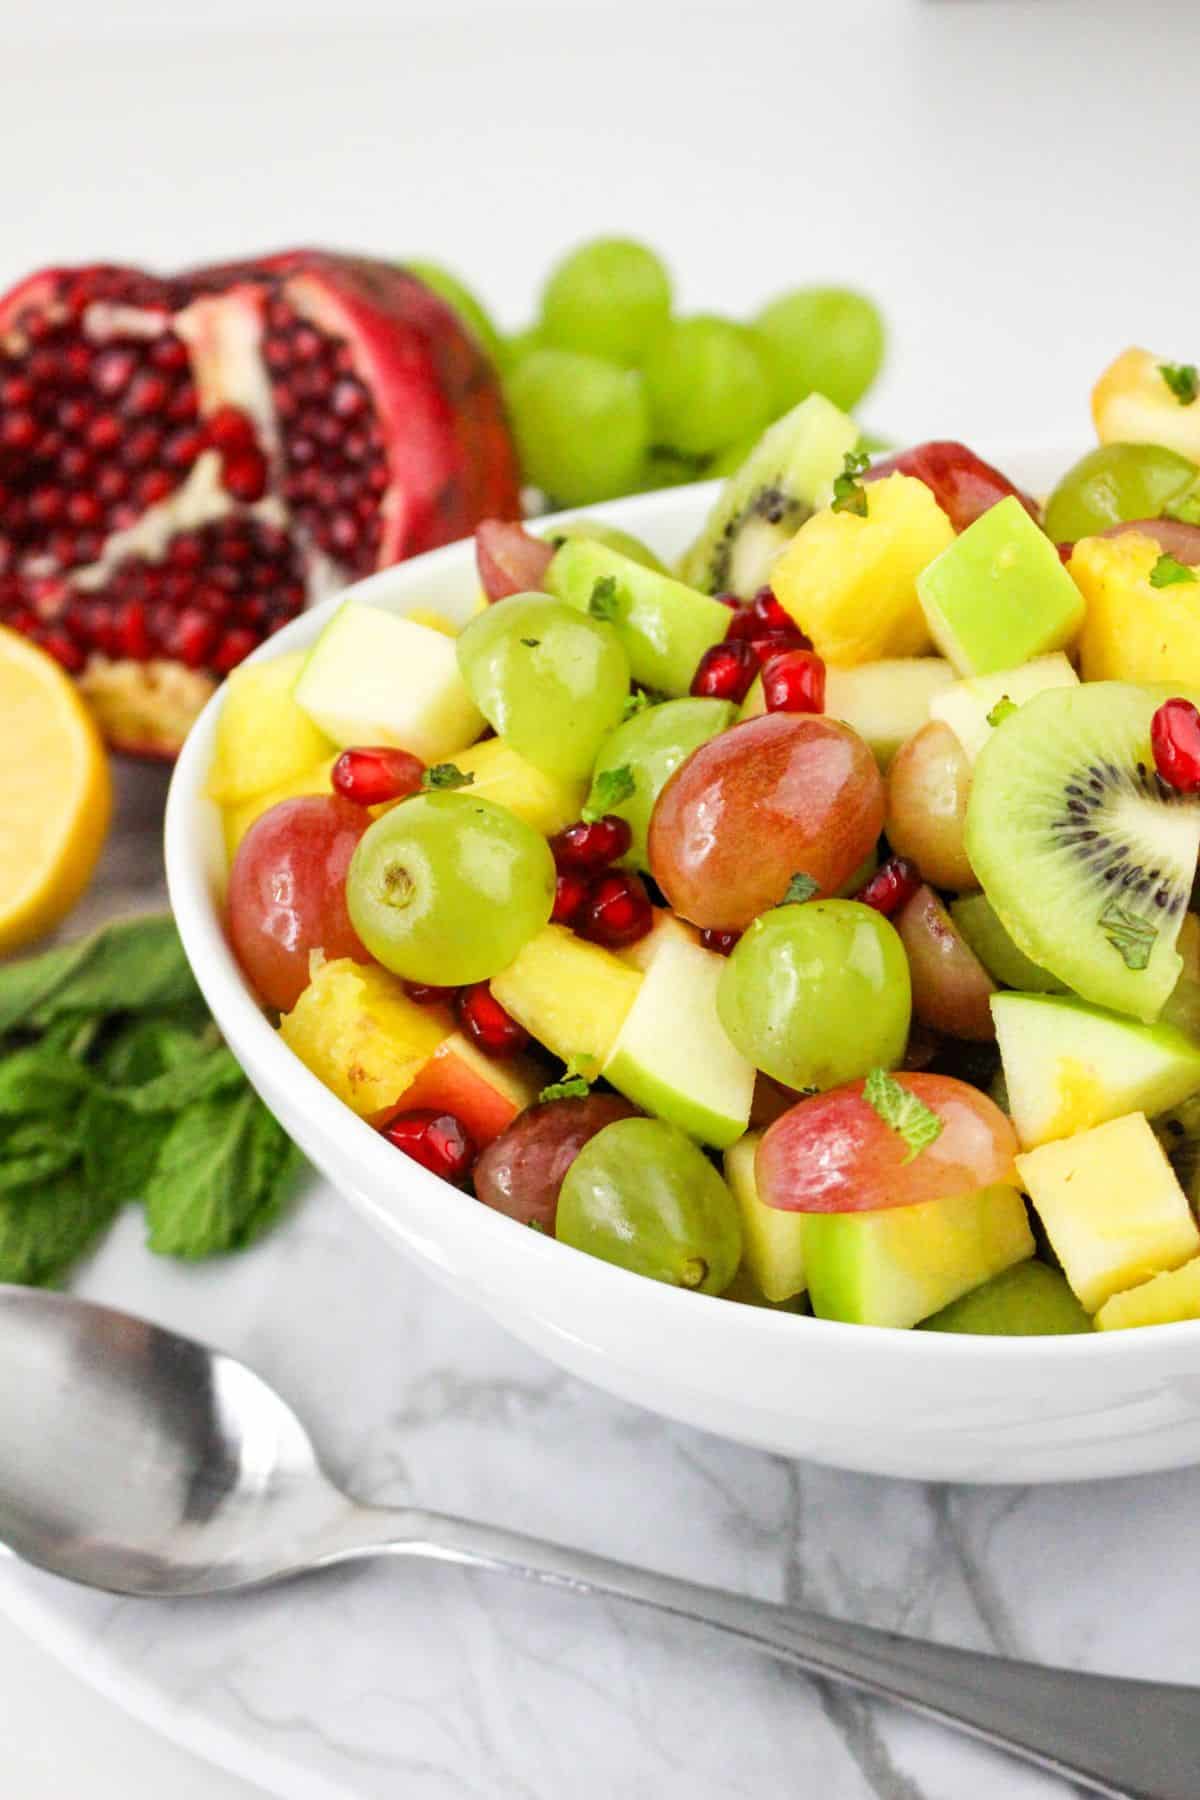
794	682
65	650
372	776
422	993
438	1141
591	843
768	611
616	912
245	475
229	428
570	892
169	354
147	395
111	370
104	431
234	648
892	886
1175	741
712	938
84	508
486	1023
154	486
193	637
18	430
726	672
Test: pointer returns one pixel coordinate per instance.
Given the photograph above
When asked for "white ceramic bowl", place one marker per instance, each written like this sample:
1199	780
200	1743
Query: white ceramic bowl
917	1404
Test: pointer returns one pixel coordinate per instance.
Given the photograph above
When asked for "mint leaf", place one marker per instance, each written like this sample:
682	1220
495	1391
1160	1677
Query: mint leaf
1131	936
446	775
571	1087
221	1177
609	788
47	1226
135	965
1169	573
121	1149
849	494
1001	711
197	1078
1183	379
902	1111
604	602
800	888
36	1150
39	1083
139	1049
638	702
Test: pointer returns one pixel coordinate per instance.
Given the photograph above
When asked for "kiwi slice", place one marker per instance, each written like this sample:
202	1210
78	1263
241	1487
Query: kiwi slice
1178	1132
787	476
1086	854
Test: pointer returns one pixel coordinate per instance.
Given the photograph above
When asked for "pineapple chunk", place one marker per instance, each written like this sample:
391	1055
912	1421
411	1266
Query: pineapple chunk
772	1240
237	820
1132	631
1111	1206
263	738
1132	404
850	581
359	1033
547	802
570	995
1164	1300
435	621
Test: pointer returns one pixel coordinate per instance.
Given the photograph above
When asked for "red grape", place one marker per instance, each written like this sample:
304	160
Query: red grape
950	986
521	1171
963	485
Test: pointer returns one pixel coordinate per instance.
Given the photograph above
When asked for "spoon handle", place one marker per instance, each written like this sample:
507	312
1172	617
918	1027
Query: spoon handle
1131	1740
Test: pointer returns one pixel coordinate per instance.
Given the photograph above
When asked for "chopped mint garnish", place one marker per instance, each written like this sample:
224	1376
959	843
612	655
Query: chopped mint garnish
446	775
1001	710
1183	379
571	1087
1167	572
531	643
1129	934
610	787
638	702
800	888
603	603
903	1111
1186	509
849	494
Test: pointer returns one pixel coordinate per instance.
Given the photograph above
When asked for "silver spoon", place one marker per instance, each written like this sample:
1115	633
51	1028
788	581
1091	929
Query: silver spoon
143	1463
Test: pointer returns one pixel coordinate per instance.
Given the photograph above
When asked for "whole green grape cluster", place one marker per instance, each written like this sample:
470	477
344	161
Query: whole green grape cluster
610	391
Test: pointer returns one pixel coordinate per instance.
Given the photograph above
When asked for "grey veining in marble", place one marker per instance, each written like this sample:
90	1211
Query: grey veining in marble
434	1684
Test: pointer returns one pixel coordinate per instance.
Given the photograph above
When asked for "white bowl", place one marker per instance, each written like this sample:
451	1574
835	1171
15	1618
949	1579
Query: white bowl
917	1404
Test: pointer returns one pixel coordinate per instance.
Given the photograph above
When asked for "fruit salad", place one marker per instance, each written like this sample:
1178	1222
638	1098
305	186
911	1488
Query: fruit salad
809	924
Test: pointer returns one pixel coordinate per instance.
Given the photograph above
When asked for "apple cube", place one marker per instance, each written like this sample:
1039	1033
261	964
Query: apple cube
484	1094
772	1240
968	706
359	1033
999	595
1111	1206
570	995
264	738
1163	1300
664	626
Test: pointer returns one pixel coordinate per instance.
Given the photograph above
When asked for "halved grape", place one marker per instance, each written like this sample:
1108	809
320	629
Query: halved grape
706	385
607	298
928	787
823	339
1114	483
582	426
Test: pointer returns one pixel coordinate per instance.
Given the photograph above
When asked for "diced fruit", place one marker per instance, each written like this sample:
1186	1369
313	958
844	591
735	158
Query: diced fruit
642	1195
950	986
1163	1300
373	677
547	802
788	475
671	1055
611	536
999	595
1087	861
1111	1206
977	920
485	1094
885	702
817	994
550	680
901	1265
521	1172
928	788
361	1035
1113	484
1070	1066
264	739
1134	403
772	1241
432	620
850	581
664	626
1134	631
446	888
571	996
237	819
969	706
652	745
1029	1300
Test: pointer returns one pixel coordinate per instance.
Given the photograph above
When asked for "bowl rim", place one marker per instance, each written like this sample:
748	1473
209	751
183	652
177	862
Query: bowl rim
203	936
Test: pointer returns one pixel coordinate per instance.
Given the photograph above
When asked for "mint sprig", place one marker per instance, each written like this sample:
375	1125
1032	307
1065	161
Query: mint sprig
609	788
1183	379
571	1087
800	888
1004	706
902	1111
446	775
1169	573
849	494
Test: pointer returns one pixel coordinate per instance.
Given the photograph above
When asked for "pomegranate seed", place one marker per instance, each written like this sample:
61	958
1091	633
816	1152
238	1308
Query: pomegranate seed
732	601
617	911
892	886
133	632
437	1140
84	508
570	892
591	843
169	353
183	447
245	475
18	430
369	777
147	395
1175	741
229	428
726	672
104	431
46	505
154	486
73	465
487	1024
234	647
722	942
769	612
421	993
65	650
347	399
794	682
141	446
73	413
111	370
16	390
193	637
343	530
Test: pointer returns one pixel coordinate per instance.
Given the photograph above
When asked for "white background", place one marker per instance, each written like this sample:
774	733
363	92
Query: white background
1015	182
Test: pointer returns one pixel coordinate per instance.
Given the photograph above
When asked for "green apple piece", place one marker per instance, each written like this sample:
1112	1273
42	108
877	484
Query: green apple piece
671	1055
999	595
974	707
664	626
373	677
901	1265
1029	1300
772	1240
979	923
611	536
651	745
1111	1207
1163	1300
1069	1066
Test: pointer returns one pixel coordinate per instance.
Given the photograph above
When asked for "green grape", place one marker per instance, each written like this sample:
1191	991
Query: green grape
607	298
651	745
822	339
582	426
611	536
642	1195
447	889
549	679
818	994
517	346
1113	483
469	309
706	384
